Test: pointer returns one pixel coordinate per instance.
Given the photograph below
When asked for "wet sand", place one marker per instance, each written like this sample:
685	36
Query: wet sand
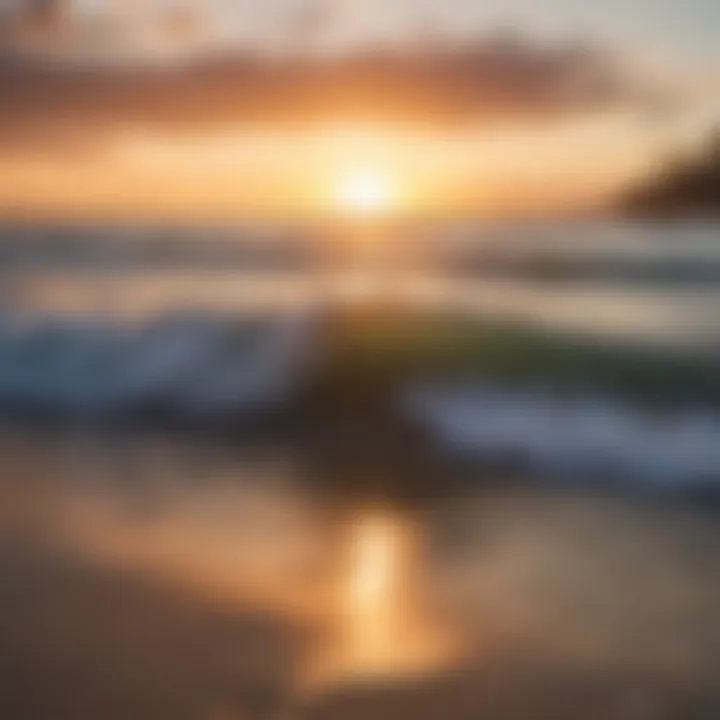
215	582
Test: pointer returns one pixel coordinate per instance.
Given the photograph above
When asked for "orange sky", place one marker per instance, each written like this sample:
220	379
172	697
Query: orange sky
560	166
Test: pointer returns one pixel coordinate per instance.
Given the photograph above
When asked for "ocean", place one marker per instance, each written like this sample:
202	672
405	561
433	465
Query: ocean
213	504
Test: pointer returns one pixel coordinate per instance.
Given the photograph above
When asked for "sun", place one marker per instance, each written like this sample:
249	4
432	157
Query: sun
365	192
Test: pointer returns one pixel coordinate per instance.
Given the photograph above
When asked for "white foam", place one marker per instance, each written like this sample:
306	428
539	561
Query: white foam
189	362
587	437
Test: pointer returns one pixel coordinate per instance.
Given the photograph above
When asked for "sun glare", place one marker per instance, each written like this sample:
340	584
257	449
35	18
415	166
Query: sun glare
365	192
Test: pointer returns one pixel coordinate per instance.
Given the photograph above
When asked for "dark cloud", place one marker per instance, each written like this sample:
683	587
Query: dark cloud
59	105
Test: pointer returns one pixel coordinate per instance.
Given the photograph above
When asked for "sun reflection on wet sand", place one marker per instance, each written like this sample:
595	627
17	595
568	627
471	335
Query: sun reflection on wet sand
385	628
372	606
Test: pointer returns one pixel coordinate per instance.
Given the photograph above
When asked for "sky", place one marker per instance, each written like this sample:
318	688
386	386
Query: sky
216	144
689	29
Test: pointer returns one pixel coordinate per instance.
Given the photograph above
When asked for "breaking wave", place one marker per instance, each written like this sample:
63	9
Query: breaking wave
191	364
591	437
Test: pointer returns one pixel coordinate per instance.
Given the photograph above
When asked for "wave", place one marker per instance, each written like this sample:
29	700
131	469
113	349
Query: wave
591	437
191	364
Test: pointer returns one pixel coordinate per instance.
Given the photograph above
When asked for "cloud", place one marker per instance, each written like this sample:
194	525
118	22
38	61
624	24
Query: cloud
61	106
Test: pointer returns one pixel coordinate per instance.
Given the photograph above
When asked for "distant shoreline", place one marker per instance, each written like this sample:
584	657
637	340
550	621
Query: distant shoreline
686	187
